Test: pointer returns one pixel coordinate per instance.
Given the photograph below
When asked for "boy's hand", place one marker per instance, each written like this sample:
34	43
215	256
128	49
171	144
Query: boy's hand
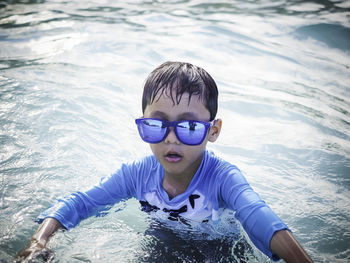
37	245
33	251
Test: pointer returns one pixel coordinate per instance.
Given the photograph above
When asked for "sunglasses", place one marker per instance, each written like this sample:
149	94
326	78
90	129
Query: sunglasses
188	132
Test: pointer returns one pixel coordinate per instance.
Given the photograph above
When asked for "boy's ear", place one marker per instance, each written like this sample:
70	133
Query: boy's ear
215	130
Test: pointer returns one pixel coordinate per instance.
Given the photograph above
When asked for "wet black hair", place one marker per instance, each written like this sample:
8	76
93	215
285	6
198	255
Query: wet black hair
177	78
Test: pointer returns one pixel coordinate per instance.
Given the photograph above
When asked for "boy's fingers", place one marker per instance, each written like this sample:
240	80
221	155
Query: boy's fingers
34	251
47	255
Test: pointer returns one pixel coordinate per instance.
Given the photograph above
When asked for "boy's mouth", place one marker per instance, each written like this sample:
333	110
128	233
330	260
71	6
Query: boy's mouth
173	157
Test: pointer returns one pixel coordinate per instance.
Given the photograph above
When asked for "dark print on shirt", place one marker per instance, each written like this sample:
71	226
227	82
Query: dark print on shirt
192	198
147	207
195	207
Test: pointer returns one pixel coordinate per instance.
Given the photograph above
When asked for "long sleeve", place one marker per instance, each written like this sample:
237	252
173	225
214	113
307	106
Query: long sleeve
70	210
256	217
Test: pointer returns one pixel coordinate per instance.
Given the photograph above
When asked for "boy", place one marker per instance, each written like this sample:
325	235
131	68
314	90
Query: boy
181	180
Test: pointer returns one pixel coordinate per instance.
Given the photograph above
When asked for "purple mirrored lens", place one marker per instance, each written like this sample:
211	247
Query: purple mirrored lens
151	131
191	132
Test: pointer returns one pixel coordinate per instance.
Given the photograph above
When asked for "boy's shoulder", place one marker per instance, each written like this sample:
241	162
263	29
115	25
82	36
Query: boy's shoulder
216	162
141	165
223	173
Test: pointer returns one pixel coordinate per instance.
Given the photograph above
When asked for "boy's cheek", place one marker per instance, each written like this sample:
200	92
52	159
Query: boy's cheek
152	148
157	150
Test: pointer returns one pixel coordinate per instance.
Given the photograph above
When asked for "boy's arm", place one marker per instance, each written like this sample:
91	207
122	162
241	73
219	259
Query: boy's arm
38	241
287	247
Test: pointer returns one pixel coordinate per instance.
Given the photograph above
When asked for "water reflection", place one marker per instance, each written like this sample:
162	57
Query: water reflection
334	36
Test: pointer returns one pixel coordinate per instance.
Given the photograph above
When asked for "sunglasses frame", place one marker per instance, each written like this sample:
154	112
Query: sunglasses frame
168	124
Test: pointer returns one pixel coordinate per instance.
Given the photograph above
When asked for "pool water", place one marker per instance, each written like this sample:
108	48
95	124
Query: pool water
71	76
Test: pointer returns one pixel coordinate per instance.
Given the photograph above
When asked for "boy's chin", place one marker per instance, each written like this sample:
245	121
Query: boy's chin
173	167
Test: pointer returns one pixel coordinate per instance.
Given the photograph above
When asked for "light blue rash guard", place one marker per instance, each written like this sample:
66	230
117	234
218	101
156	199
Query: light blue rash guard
217	185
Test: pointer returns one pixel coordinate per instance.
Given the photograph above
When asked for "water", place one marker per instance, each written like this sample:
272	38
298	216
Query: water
71	75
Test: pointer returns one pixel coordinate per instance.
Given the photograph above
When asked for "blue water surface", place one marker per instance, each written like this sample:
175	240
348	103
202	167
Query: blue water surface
71	76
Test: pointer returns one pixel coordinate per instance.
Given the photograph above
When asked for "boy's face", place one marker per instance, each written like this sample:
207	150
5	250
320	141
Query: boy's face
177	158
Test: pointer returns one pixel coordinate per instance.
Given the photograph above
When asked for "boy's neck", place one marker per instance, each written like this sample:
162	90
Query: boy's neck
176	184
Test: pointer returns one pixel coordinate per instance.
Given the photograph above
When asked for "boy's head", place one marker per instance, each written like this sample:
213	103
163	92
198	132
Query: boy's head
179	105
177	78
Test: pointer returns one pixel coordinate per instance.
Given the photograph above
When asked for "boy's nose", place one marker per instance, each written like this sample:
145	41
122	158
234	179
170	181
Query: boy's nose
171	138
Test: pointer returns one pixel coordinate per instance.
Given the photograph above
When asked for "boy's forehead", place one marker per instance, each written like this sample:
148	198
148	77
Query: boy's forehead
168	113
172	97
187	107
